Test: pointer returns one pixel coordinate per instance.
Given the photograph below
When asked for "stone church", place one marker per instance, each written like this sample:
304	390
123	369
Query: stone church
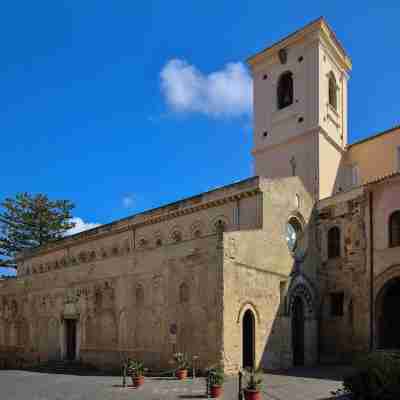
297	265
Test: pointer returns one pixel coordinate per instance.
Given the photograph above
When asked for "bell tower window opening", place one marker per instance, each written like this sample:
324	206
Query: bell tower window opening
332	90
285	90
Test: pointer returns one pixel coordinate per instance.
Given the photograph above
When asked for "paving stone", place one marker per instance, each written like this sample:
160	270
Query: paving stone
299	384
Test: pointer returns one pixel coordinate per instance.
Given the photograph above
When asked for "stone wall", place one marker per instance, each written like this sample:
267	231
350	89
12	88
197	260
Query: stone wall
125	285
342	336
258	269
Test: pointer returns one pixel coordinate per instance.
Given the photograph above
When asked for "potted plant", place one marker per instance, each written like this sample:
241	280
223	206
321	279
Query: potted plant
182	363
253	386
136	371
216	380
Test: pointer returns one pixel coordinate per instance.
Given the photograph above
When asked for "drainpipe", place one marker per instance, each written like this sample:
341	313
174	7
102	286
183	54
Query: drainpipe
371	254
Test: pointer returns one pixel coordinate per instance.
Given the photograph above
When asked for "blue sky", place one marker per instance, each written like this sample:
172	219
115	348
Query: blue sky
89	111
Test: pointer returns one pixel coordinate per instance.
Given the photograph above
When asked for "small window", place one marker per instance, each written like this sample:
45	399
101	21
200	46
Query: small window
176	236
220	228
334	242
337	300
142	242
394	229
197	233
332	91
398	158
293	233
355	175
285	90
139	295
183	293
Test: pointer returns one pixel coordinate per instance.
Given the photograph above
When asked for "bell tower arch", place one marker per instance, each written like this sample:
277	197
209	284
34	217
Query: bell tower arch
300	108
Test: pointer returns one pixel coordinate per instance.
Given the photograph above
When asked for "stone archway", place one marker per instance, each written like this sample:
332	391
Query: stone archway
387	320
248	339
303	324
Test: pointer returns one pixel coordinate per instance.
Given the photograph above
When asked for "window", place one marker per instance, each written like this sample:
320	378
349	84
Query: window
293	233
176	236
285	90
337	300
332	91
142	242
197	233
355	175
394	229
139	295
220	228
398	158
183	293
334	242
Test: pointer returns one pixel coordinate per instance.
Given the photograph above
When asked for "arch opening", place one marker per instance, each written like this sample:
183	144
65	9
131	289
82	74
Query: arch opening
248	340
285	90
387	315
334	242
298	331
332	88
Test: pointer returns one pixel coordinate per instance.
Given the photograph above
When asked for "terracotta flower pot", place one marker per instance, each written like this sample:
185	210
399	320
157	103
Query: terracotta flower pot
216	391
137	381
252	394
181	374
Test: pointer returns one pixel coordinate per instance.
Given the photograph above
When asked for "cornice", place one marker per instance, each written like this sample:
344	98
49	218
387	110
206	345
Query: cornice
319	26
332	142
274	146
86	237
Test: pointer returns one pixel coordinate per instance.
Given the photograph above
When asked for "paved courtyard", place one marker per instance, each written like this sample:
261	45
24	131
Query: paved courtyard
299	384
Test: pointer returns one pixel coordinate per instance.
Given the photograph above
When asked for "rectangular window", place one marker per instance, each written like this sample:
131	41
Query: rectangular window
355	175
398	158
337	300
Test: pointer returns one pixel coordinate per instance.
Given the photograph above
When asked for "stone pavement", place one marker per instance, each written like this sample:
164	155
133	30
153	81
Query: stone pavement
299	384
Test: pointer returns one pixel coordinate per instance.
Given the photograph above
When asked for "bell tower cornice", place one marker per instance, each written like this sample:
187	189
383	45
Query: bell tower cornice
316	30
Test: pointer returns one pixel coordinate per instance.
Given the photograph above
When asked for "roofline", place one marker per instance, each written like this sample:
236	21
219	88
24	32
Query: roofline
382	178
372	137
108	228
319	22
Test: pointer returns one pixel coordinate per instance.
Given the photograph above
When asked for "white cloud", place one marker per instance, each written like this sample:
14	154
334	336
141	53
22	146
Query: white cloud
4	271
227	92
128	201
80	226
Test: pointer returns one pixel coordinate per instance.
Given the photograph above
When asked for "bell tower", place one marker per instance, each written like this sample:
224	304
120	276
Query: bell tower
300	108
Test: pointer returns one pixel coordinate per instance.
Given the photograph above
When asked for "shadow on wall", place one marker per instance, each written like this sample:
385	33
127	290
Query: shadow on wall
295	338
288	335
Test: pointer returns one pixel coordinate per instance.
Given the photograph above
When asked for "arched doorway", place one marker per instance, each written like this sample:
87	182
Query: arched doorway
298	331
248	338
387	313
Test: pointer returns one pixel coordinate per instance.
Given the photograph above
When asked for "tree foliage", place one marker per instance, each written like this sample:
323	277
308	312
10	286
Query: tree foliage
29	221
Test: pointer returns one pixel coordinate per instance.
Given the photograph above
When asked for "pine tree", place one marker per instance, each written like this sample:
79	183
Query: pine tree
29	221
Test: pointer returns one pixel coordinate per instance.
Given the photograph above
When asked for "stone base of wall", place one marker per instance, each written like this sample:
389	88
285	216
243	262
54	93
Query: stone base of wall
111	360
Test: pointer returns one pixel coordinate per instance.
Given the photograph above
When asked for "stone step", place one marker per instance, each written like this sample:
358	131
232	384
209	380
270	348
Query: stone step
64	367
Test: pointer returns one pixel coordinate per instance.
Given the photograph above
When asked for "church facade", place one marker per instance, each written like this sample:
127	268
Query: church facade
297	265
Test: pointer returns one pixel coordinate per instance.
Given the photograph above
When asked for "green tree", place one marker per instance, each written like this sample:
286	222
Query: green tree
29	221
